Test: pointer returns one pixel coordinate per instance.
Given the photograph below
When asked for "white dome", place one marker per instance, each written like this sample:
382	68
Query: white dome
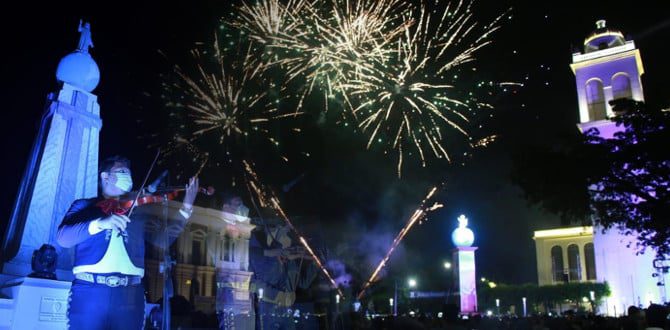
463	237
80	70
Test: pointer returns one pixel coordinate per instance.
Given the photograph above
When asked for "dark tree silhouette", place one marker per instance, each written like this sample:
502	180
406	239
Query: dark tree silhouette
622	183
633	193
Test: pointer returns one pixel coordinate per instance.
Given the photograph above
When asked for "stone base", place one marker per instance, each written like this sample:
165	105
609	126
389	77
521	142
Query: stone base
34	303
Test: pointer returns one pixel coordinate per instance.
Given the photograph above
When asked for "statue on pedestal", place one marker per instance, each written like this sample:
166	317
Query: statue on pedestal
85	40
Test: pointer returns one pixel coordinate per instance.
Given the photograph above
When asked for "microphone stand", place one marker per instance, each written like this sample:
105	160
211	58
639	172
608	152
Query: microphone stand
166	268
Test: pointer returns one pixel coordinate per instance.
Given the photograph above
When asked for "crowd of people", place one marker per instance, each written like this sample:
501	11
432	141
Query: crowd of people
654	317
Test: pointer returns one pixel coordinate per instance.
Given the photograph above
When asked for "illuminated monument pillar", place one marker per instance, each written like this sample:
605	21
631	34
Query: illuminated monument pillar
62	165
464	258
610	68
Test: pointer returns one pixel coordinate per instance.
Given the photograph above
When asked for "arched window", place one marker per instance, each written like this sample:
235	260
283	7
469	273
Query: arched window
595	98
590	260
621	86
574	266
557	263
198	253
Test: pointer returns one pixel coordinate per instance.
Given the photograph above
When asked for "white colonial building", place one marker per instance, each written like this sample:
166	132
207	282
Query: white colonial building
212	259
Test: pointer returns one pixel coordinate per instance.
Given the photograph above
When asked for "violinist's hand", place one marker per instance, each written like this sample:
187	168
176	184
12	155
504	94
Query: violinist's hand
118	222
190	192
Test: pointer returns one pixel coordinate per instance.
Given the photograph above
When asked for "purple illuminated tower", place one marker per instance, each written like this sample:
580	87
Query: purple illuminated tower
464	258
610	68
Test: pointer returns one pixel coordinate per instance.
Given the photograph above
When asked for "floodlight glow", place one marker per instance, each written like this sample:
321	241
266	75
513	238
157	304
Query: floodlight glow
492	285
411	282
489	313
447	265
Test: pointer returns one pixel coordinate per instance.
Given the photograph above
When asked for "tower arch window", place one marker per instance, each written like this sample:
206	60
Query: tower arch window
574	265
595	98
557	263
621	86
590	260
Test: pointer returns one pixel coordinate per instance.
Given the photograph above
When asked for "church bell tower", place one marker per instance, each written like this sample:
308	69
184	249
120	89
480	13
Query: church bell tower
609	68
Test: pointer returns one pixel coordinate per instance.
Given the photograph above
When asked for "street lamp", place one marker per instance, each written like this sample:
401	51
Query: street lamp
447	265
524	306
498	306
411	282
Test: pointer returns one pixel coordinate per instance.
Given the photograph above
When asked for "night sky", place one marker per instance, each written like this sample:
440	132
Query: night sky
348	196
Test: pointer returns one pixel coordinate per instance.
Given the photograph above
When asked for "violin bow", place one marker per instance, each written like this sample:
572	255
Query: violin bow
144	183
197	174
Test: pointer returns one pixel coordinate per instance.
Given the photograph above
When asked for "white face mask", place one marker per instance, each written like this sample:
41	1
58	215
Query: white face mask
124	181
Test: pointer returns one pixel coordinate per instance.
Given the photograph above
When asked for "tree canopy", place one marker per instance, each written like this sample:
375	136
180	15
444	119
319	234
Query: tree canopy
633	193
620	183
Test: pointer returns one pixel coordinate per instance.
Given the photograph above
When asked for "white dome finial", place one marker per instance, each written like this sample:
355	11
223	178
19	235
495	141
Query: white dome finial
79	68
462	236
600	24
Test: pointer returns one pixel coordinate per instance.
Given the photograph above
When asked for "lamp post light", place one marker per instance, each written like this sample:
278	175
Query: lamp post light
260	307
524	306
395	299
593	301
411	282
391	306
498	306
447	265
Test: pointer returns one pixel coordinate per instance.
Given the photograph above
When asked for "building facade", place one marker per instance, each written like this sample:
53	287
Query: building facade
565	255
212	259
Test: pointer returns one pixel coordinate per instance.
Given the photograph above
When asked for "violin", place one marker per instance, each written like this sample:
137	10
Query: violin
124	204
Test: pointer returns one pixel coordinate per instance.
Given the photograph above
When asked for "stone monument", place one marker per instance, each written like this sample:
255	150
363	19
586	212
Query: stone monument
62	167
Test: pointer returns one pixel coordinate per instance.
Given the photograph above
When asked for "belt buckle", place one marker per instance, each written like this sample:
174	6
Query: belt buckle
114	281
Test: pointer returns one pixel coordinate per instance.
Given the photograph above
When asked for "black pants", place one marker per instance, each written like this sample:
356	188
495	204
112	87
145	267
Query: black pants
99	307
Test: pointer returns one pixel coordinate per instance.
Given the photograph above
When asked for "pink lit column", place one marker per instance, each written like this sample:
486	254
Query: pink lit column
464	272
466	278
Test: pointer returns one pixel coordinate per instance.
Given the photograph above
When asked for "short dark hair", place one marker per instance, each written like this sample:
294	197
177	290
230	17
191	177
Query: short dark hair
656	316
109	162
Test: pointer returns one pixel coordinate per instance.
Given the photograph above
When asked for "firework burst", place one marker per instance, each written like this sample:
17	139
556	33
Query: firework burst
410	99
323	46
222	99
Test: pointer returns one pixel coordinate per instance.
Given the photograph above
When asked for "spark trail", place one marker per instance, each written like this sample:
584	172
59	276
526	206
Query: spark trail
266	197
419	214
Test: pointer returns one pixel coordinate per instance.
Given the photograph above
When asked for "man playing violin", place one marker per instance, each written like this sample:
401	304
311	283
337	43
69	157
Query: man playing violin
109	252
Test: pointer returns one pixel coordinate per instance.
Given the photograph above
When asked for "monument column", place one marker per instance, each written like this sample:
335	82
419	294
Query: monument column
62	166
465	274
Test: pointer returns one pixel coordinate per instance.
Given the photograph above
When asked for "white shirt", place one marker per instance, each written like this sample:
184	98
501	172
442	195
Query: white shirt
116	259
